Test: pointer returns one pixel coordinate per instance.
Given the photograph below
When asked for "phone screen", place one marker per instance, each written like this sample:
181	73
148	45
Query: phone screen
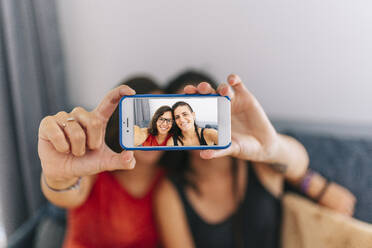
175	121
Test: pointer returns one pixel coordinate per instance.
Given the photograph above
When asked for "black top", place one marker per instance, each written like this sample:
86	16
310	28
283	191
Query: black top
203	142
259	213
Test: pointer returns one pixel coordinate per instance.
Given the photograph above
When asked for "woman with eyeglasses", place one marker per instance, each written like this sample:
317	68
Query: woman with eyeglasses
108	191
159	131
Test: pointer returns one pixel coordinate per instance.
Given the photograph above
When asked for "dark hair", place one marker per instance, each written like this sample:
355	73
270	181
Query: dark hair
142	85
159	112
192	77
177	163
177	134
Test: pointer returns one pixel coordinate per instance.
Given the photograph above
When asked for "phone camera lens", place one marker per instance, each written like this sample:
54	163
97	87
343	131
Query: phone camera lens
127	131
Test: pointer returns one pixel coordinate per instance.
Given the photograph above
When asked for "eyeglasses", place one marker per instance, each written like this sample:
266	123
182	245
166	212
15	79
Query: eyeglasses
162	120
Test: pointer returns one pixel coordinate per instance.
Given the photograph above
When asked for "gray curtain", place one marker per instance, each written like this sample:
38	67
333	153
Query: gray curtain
31	86
141	112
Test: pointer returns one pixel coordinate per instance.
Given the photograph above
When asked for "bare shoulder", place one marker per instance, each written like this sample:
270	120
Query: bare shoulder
165	192
211	135
171	217
271	180
210	132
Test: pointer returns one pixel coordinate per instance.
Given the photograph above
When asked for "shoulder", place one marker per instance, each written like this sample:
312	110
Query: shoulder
165	191
210	132
167	200
210	135
171	218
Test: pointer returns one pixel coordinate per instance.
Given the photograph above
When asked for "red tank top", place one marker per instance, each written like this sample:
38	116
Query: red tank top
111	217
151	141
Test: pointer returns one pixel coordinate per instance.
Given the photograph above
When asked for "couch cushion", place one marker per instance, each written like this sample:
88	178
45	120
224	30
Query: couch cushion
308	225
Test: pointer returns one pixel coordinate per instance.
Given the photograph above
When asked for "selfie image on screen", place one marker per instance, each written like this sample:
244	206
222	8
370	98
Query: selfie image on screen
175	122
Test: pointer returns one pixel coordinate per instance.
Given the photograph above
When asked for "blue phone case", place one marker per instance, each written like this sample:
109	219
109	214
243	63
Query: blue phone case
169	148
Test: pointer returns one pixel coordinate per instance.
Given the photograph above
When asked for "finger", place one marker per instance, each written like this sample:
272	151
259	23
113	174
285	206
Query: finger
93	126
234	80
236	83
118	161
77	138
205	88
49	130
225	90
111	100
210	154
190	89
240	92
74	133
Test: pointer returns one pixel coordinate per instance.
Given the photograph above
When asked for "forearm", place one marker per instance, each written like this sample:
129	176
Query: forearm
291	158
328	194
311	184
294	162
316	185
69	198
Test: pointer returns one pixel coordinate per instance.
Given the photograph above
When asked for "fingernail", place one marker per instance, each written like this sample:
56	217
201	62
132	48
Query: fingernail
224	89
231	79
128	158
209	154
123	91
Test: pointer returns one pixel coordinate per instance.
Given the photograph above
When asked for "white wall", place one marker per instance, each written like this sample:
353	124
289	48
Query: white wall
304	60
205	109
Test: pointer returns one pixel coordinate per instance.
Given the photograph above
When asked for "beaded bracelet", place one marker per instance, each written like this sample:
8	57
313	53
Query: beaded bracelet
72	187
322	192
305	183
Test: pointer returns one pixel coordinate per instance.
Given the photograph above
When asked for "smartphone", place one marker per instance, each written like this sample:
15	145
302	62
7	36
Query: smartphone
174	122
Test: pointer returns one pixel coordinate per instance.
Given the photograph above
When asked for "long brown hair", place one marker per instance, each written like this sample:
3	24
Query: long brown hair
178	162
177	131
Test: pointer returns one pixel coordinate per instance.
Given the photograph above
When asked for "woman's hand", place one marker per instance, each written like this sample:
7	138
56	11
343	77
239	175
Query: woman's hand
71	145
253	137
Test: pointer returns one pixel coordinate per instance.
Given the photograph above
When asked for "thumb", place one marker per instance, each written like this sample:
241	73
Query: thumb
117	161
232	150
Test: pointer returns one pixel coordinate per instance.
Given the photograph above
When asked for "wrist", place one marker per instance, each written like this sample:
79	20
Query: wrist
60	184
316	186
291	153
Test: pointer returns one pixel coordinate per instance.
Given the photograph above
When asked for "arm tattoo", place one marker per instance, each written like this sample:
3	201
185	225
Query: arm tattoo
281	168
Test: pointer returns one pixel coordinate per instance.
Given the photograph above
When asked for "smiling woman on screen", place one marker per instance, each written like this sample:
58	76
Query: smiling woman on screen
186	131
